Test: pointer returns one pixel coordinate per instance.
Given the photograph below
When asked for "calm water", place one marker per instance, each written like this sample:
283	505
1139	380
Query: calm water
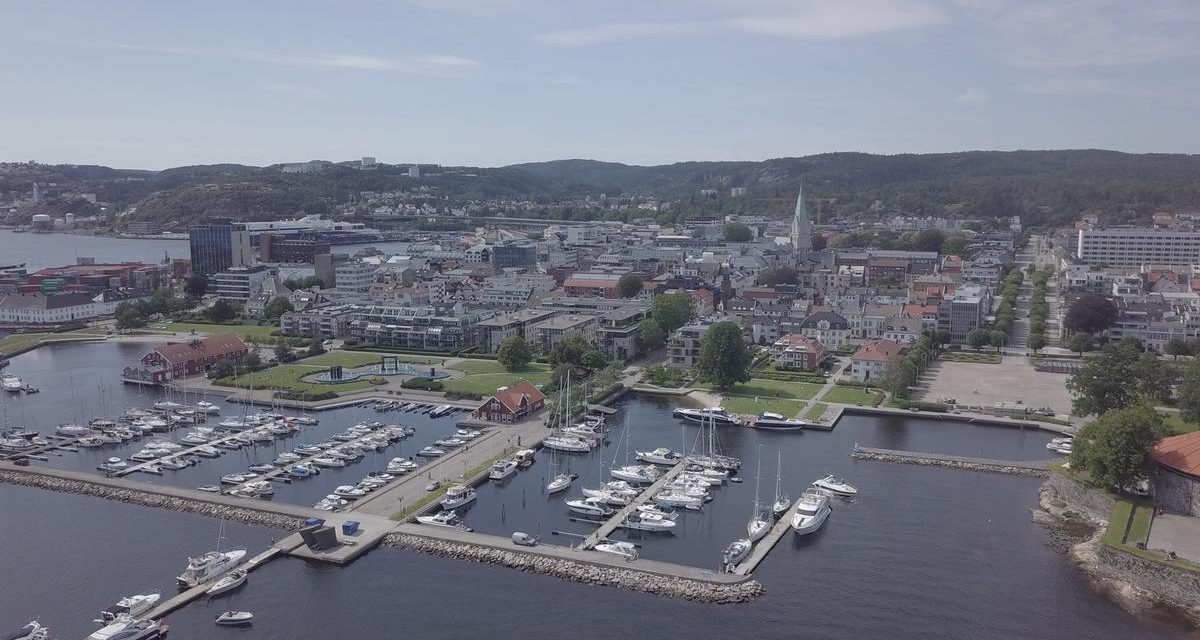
925	552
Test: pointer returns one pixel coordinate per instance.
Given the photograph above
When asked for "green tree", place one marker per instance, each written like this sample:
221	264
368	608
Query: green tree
593	360
997	339
1090	313
1037	342
929	240
650	335
777	275
979	338
737	232
1115	448
955	244
899	374
724	357
315	348
514	353
251	360
1154	380
277	306
221	311
673	310
129	318
1081	342
221	369
1176	347
1189	392
1105	382
283	353
570	350
196	285
629	285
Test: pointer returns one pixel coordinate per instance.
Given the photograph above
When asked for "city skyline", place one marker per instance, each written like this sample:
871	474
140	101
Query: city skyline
495	82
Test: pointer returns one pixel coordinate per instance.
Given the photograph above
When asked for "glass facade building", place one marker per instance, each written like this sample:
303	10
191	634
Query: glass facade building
218	246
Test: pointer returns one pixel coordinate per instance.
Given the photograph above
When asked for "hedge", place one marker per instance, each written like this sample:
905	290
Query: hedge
459	395
935	407
789	376
424	384
304	396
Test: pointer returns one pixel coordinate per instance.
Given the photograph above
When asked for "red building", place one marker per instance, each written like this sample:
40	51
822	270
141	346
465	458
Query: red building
191	358
511	404
794	351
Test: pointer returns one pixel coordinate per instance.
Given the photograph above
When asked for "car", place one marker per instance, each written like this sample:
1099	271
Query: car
523	539
434	486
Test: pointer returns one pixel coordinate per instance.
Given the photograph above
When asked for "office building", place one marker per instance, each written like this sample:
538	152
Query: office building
274	248
1133	247
239	284
219	246
354	276
966	310
548	333
514	255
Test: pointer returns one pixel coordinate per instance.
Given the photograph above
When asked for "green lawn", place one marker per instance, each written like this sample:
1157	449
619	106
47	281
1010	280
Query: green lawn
1117	521
242	330
19	341
766	389
850	395
471	367
485	384
1139	529
350	359
1176	423
287	376
747	405
816	412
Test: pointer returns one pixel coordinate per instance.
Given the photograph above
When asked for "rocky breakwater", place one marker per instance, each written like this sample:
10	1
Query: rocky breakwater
952	462
582	571
150	499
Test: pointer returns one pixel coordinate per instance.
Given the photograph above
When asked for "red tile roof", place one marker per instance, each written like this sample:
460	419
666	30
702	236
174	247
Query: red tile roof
1181	453
215	345
920	310
879	351
513	396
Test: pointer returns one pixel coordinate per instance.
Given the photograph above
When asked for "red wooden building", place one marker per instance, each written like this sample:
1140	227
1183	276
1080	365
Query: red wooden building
191	358
511	404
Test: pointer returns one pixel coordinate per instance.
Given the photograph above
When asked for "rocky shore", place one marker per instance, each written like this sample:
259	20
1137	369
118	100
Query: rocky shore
583	572
967	465
150	499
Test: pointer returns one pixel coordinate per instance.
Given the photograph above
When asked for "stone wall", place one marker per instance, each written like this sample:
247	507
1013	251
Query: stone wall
1159	583
1094	504
1177	492
967	465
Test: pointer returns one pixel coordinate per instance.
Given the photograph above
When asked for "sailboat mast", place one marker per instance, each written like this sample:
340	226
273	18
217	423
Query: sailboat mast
757	480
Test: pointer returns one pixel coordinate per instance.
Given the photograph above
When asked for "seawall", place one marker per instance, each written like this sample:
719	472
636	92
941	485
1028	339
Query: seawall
1007	467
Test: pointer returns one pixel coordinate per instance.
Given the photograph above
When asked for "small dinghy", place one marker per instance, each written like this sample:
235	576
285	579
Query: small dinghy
234	618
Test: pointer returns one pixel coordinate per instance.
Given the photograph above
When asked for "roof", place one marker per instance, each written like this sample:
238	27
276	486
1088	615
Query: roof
796	341
879	351
215	345
835	321
1181	453
920	310
42	301
519	394
590	283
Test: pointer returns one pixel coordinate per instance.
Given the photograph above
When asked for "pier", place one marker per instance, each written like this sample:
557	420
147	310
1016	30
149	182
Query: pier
764	546
1040	468
618	518
197	592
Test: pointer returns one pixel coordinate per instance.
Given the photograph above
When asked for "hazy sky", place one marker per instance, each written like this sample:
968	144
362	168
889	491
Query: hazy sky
487	82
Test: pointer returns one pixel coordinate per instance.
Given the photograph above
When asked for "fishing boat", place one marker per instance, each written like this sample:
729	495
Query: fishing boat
227	583
737	551
836	485
457	496
132	606
235	618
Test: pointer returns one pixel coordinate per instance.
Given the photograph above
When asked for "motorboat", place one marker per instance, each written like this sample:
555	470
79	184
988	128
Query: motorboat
262	468
836	485
467	434
288	457
591	507
608	497
431	452
206	451
503	469
11	384
777	422
227	583
212	564
174	463
450	442
327	461
626	550
114	464
304	420
661	455
73	430
114	627
673	498
400	466
142	630
300	471
147	455
736	552
440	410
811	511
167	405
458	495
235	618
233	478
560	482
372	482
447	519
648	521
237	424
330	503
379	476
194	438
349	492
259	489
31	631
132	606
712	415
636	474
209	488
208	408
657	510
308	450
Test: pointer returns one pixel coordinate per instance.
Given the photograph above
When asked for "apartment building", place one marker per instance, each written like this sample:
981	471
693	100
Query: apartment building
1135	246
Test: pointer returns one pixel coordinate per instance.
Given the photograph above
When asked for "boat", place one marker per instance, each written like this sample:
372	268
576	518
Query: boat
760	522
440	410
591	507
447	519
89	441
467	434
167	405
661	455
227	583
450	442
524	458
132	606
207	408
777	422
235	618
458	495
626	550
782	502
206	451
836	485
710	458
503	469
714	415
300	471
567	444
330	503
736	552
209	488
261	468
113	628
11	384
173	463
211	565
142	630
31	631
73	430
673	498
307	450
431	452
648	521
560	482
287	457
325	461
635	474
349	492
811	511
194	438
400	466
233	478
114	464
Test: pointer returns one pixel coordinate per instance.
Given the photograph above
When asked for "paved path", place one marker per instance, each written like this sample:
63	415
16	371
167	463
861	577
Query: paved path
1181	534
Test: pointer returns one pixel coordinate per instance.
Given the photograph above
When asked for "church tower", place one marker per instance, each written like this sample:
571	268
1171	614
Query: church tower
801	228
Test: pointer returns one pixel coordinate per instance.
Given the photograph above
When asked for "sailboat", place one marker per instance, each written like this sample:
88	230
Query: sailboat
632	473
561	481
760	522
560	441
782	502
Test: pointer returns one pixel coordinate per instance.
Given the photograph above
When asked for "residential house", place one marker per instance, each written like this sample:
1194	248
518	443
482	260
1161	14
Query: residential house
869	362
795	351
828	328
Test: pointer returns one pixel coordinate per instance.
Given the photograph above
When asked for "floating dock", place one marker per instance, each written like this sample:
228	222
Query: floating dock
197	592
615	521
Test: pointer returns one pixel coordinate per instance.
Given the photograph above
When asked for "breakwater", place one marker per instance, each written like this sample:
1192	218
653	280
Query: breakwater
528	560
1007	467
153	499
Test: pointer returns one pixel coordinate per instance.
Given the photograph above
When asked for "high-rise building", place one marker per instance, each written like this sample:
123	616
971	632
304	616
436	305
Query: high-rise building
218	246
368	161
801	228
1135	246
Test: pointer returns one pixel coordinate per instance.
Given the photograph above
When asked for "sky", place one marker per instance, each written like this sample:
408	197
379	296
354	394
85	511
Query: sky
153	84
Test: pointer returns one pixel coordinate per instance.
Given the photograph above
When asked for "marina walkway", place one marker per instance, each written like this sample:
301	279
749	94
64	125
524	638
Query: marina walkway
195	593
764	546
612	523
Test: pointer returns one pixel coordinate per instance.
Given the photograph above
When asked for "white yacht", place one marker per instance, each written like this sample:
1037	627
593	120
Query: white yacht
567	444
113	629
227	583
233	478
327	461
173	463
713	415
12	384
73	430
167	405
777	422
457	496
592	507
31	631
758	527
503	469
349	492
211	565
836	485
812	510
448	519
673	498
132	606
208	408
648	521
621	548
431	452
560	482
736	552
234	618
636	474
661	455
330	503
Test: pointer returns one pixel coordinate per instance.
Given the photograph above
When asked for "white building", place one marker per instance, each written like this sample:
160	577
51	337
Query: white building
354	276
1135	246
41	309
239	284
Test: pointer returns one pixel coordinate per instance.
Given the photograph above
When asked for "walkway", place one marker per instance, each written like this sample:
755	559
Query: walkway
615	521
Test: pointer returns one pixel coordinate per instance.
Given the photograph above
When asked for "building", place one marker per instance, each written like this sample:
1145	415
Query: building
794	351
327	320
184	359
511	255
801	235
494	331
902	329
354	276
219	246
830	329
617	334
1177	478
512	404
272	287
1134	246
429	328
37	308
548	333
142	228
597	285
239	284
869	362
683	348
966	310
279	249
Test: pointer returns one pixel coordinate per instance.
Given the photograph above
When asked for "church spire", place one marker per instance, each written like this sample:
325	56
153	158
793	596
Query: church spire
801	227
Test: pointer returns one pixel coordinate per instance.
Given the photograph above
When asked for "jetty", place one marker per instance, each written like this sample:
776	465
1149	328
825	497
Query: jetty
764	546
1040	468
618	518
195	593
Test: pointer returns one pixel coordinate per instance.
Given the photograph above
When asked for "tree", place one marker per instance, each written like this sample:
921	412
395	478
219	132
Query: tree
221	369
737	232
1105	382
514	354
818	242
942	336
283	353
570	351
1132	343
315	348
1153	380
129	318
724	357
1037	342
955	244
221	311
304	283
777	275
650	335
593	360
278	306
1189	392
1090	313
979	338
196	285
997	339
673	310
1176	347
629	285
900	374
929	240
252	360
1115	449
1080	343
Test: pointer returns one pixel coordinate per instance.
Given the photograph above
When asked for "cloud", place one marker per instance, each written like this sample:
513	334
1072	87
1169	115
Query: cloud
972	96
802	19
417	64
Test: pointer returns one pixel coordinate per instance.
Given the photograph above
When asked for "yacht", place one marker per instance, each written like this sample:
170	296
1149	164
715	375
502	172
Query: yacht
207	408
114	464
262	467
300	471
777	422
457	496
194	438
227	583
173	463
736	552
236	424
712	415
758	527
11	384
648	521
287	457
503	469
661	455
431	452
31	631
73	430
330	503
812	509
567	444
782	502
560	482
325	461
450	442
233	478
206	451
673	498
467	434
349	492
621	548
211	565
635	474
142	630
167	405
836	485
400	465
448	519
90	441
112	629
234	618
132	606
592	507
440	410
307	450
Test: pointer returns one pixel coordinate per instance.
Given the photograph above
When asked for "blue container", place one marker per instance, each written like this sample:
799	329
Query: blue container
314	522
349	527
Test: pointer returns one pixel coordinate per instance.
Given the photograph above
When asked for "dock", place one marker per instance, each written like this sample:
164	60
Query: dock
197	592
764	546
371	531
615	521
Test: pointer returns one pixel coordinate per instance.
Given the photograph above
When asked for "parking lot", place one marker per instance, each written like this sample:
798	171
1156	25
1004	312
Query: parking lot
1013	380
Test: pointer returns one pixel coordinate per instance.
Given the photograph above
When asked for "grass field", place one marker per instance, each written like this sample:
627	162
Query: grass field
485	384
472	367
287	376
242	330
746	405
1176	423
350	359
816	412
764	388
851	395
20	341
